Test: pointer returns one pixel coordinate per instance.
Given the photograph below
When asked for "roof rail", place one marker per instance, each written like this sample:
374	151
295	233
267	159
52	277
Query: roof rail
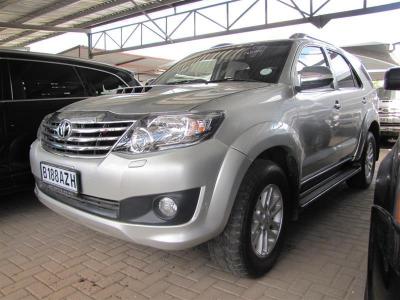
306	36
222	45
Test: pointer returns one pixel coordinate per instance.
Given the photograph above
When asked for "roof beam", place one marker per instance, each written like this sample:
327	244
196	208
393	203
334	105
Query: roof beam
41	11
93	9
4	3
44	10
118	16
42	27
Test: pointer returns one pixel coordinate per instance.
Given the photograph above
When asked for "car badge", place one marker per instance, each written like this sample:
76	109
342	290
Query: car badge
64	129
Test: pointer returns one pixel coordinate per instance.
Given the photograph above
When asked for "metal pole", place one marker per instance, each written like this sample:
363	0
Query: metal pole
90	53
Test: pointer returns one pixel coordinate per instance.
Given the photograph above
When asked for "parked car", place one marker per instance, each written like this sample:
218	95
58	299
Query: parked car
226	146
389	112
383	282
33	85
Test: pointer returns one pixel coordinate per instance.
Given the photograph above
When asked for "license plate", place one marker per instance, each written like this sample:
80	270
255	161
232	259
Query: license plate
61	177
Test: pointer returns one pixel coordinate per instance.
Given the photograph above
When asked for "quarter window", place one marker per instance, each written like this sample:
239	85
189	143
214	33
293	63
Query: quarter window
342	71
100	83
38	80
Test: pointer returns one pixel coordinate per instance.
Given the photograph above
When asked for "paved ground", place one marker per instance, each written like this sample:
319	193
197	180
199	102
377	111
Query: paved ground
43	255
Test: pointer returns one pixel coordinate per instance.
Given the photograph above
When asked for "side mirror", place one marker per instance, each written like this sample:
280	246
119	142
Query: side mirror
314	77
392	79
149	81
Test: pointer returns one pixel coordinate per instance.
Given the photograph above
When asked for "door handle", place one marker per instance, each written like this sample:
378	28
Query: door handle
364	100
337	105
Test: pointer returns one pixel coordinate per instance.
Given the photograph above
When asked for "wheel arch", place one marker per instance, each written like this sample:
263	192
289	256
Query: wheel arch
285	158
374	129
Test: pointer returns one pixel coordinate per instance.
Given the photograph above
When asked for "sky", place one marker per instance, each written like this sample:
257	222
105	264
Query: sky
377	27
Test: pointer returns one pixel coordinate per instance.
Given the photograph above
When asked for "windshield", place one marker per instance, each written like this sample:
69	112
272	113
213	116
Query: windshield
387	94
262	62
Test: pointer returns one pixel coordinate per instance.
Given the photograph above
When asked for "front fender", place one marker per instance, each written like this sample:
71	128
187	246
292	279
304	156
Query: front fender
264	136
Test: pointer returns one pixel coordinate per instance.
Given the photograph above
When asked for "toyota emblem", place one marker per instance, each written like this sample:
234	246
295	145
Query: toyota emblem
64	129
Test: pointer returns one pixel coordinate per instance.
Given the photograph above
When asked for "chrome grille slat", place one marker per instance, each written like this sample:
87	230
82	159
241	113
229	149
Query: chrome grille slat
101	130
79	148
91	139
83	139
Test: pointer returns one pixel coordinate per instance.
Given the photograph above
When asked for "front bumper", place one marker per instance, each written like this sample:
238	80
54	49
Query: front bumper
389	124
212	167
390	130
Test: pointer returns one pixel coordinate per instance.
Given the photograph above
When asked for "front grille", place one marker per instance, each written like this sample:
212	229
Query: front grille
86	139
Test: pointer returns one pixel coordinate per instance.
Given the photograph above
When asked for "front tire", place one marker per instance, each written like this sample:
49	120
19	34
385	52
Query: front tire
363	179
253	238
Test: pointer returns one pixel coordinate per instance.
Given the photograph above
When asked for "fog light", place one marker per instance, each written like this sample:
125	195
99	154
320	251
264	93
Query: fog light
167	207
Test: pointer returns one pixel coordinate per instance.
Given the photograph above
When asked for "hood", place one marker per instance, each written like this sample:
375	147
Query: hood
174	98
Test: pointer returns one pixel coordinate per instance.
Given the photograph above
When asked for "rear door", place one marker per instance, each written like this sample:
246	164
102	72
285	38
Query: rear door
38	88
351	98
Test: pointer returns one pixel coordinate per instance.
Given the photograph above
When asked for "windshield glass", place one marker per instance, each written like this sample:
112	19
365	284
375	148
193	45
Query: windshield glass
387	94
261	62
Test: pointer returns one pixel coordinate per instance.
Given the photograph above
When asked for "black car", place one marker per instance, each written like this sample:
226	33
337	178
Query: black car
33	85
383	281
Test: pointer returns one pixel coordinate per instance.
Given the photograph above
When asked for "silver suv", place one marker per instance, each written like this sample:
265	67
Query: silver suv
227	146
389	112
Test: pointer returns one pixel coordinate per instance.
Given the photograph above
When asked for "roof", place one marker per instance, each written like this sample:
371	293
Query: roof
25	21
58	58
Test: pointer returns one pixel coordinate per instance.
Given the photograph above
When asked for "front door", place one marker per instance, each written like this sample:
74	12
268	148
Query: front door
317	121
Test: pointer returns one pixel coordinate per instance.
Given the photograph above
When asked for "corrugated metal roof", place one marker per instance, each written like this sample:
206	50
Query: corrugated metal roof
82	14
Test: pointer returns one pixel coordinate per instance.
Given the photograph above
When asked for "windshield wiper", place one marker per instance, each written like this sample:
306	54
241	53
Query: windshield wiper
188	81
199	80
232	79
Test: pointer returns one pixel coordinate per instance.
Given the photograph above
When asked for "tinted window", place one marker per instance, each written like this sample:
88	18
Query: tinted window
263	62
342	71
100	83
387	94
37	80
5	93
128	78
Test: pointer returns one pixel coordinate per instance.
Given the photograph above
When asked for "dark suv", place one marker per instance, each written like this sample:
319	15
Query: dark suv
33	85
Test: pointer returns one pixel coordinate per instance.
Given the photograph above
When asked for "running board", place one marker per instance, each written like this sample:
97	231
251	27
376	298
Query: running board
309	196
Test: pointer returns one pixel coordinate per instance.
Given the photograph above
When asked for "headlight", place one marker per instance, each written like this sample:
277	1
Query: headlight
40	129
154	133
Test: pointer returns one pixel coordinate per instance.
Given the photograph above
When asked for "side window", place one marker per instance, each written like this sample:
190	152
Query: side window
311	57
100	83
39	80
128	78
5	90
342	71
311	63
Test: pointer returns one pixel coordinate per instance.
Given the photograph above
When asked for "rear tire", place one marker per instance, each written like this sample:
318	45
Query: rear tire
254	236
363	179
